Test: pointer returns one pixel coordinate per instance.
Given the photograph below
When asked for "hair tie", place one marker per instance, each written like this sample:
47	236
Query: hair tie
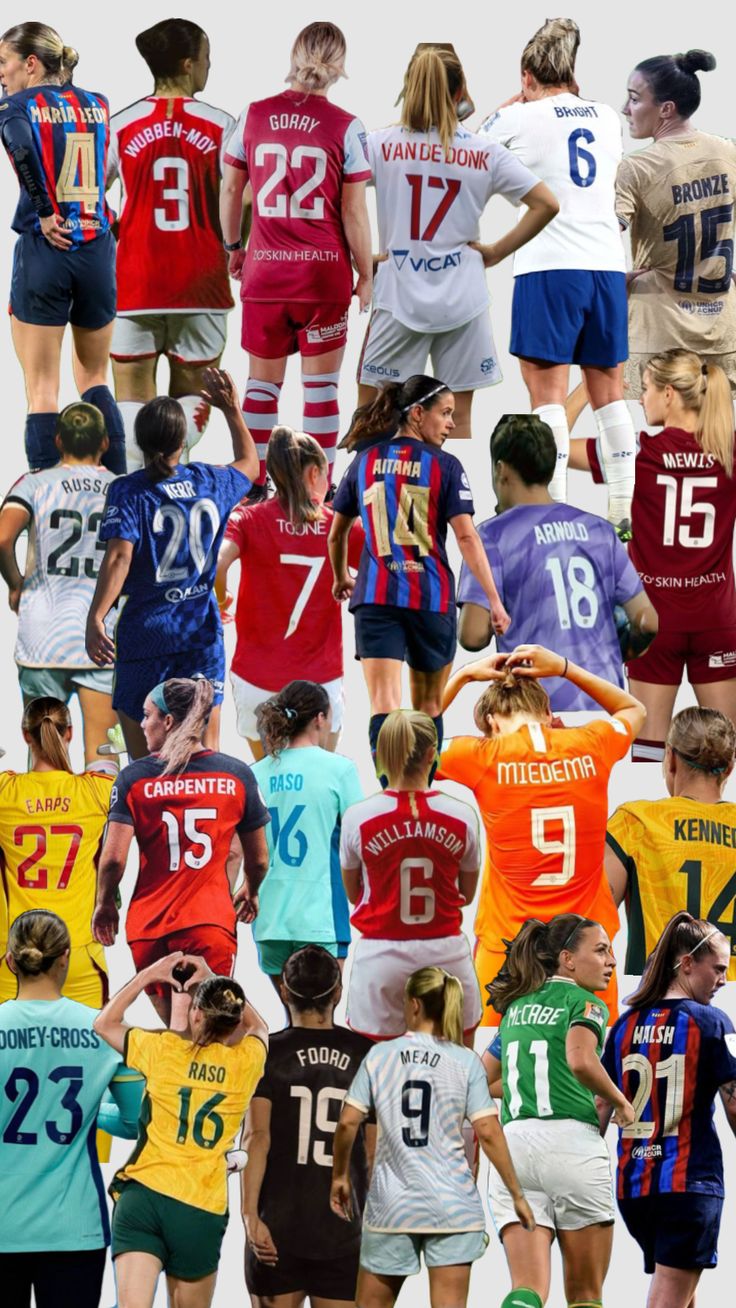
700	767
289	713
232	998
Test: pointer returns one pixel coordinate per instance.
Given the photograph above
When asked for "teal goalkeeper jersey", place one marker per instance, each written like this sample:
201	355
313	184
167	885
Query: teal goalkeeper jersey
307	790
537	1081
54	1070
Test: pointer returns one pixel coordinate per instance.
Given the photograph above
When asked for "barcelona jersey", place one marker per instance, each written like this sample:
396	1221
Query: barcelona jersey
405	492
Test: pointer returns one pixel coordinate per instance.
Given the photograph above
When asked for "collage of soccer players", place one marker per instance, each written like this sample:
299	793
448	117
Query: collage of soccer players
367	748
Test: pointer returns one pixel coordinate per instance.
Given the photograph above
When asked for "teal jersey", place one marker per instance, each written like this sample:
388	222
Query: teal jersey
307	790
537	1081
54	1071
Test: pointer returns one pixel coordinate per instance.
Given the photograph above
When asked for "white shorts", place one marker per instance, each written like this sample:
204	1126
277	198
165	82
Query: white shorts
247	698
378	974
191	338
464	358
564	1169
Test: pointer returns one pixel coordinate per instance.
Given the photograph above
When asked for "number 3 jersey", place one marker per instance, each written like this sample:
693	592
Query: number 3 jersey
66	506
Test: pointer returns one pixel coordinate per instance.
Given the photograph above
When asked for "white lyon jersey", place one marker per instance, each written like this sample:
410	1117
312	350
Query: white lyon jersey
422	1090
63	559
429	206
575	147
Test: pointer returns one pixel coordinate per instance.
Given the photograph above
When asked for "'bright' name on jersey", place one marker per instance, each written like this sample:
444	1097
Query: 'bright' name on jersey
535	774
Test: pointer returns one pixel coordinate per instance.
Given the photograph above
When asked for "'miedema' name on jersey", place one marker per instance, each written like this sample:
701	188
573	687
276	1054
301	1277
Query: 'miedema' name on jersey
543	772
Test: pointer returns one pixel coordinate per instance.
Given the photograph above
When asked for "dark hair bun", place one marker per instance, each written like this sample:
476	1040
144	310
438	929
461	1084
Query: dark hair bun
694	61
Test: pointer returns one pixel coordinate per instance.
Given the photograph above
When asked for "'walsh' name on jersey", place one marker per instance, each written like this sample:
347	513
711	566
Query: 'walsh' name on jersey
649	1034
417	830
543	772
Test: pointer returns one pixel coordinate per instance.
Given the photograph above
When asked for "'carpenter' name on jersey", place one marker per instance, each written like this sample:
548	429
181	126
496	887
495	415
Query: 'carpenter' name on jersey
168	787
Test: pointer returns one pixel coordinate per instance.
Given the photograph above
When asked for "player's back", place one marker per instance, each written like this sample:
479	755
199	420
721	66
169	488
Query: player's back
168	154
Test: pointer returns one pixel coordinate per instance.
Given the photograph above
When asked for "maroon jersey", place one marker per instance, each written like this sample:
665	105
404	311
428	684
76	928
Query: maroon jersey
410	846
184	824
298	151
167	152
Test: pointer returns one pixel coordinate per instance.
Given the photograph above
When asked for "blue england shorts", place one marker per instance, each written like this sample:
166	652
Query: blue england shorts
675	1230
426	641
569	316
51	288
135	679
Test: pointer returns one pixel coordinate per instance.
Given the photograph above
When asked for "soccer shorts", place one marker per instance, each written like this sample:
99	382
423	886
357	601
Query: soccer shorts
70	1278
488	963
51	288
675	1230
191	338
215	944
636	362
87	980
396	1253
134	679
570	316
379	972
185	1239
62	683
707	655
426	641
273	329
272	954
564	1169
333	1277
464	358
247	698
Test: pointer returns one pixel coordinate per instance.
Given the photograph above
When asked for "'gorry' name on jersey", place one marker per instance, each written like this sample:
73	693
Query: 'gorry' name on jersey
705	829
534	1015
543	772
414	830
716	184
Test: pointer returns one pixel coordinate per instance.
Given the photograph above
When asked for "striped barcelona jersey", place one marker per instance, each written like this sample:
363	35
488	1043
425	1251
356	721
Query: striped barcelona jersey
678	854
71	132
405	492
184	825
670	1059
65	506
409	846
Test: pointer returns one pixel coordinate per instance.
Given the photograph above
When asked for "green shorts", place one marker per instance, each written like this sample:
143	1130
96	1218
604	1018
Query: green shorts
272	954
186	1240
399	1253
62	683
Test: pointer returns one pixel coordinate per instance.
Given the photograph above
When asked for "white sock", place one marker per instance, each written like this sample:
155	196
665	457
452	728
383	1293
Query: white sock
197	415
129	410
617	454
556	418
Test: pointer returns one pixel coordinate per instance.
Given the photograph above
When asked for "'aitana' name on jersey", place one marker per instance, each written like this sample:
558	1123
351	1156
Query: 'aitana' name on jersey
399	467
414	830
542	772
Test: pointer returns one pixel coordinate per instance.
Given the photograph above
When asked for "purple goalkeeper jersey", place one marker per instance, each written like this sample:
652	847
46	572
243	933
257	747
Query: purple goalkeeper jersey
560	572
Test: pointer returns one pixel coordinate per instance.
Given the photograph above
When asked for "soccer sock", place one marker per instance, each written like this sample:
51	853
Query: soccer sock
39	440
522	1298
261	413
617	454
586	1303
647	751
197	416
102	398
321	414
556	418
376	722
440	726
129	410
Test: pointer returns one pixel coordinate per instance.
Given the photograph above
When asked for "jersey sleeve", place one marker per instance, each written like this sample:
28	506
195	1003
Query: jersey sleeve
120	519
478	1102
627	192
722	1047
496	1047
121	1117
470	861
620	834
112	166
18	141
232	486
626	578
469	589
21	492
350	840
139	1050
346	496
350	790
264	1089
119	807
356	165
235	152
228	129
360	1091
509	177
253	1054
610	738
237	528
500	126
608	1057
255	813
457	495
101	787
593	1014
461	761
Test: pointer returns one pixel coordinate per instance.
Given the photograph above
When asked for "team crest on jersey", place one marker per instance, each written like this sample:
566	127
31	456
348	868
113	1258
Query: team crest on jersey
400	258
594	1013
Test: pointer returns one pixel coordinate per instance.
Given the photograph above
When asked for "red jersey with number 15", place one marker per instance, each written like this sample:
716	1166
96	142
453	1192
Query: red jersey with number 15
184	823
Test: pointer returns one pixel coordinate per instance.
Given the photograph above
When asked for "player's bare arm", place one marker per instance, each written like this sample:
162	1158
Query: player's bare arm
351	1119
488	669
109	1022
227	555
220	391
493	1143
541	207
106	919
728	1099
467	884
616	875
535	661
356	224
232	189
471	548
581	1048
475	629
353	883
256	1140
255	867
13	520
493	1067
112	578
337	546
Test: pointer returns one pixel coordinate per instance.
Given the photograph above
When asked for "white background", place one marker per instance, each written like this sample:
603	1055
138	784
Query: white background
249	62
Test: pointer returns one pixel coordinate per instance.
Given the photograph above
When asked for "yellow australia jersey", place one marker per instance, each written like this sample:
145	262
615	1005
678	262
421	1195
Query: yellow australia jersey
194	1103
678	854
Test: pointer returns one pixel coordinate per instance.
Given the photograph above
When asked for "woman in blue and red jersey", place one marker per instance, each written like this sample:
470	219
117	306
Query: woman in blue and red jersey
407	492
64	264
671	1054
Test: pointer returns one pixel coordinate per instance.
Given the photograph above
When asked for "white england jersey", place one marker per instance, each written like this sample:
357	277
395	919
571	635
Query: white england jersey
422	1089
575	146
429	207
64	554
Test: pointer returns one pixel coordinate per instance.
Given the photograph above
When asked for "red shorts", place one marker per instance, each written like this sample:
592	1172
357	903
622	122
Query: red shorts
272	329
707	655
212	943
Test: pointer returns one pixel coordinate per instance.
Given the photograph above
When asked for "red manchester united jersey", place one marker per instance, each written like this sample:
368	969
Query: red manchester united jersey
184	823
168	154
409	846
298	151
288	625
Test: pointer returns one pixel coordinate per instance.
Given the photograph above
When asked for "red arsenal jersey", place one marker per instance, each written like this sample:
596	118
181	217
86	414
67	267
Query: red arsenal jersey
288	625
410	846
168	153
298	152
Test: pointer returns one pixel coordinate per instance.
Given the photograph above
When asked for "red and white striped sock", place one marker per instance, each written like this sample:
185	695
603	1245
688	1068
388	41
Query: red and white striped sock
647	751
321	414
261	413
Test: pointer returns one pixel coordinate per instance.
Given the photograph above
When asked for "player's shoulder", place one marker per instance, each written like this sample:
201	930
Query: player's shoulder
135	112
201	109
383	802
216	761
711	1020
440	801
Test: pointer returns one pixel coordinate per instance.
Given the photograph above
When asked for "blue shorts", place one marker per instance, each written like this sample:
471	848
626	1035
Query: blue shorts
426	641
51	288
135	679
571	316
397	1253
675	1230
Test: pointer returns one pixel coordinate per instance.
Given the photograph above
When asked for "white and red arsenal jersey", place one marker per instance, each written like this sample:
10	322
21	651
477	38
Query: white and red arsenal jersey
298	152
410	846
167	152
288	625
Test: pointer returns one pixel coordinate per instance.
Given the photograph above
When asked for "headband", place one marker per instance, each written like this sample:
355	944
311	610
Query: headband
158	697
309	998
430	394
694	950
699	767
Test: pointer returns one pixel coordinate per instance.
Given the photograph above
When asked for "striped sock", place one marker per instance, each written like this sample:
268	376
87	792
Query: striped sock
261	413
647	751
321	414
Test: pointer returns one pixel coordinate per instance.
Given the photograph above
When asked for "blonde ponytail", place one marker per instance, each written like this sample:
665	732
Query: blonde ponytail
46	720
441	997
433	80
404	739
189	701
704	390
